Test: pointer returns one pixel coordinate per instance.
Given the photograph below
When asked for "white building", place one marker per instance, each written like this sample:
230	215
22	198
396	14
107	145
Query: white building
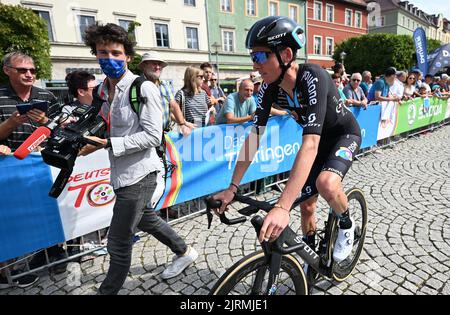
175	28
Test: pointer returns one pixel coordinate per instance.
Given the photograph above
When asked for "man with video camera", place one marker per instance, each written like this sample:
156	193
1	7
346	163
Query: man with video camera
14	127
133	136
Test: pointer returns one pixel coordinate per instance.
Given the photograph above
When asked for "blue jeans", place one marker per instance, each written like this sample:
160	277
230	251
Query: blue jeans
130	213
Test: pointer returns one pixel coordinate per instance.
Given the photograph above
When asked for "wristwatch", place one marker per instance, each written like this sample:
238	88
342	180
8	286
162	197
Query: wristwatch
108	143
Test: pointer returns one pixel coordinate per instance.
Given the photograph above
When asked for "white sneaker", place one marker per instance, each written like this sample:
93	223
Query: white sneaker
179	263
344	243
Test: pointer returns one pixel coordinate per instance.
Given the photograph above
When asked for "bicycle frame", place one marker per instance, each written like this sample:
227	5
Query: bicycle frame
295	242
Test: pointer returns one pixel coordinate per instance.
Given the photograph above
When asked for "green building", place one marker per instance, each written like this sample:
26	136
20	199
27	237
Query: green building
228	24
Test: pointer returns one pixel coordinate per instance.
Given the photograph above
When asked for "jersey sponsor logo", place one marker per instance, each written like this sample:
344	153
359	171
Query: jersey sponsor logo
311	83
260	96
345	153
311	121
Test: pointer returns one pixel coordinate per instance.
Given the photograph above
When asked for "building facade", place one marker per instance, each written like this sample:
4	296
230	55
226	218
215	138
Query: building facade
228	24
331	22
402	18
177	29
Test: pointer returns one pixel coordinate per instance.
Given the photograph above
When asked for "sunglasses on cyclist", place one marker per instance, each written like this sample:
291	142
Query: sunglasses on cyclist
260	57
24	70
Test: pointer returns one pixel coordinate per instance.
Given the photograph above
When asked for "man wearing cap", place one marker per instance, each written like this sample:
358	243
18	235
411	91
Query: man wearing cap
152	65
380	91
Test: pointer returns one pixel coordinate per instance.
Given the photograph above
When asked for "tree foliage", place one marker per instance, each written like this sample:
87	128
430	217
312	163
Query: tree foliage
23	30
376	52
134	64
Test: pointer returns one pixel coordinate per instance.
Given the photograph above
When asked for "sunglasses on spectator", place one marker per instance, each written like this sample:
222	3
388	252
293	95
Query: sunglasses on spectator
260	57
356	80
411	78
24	70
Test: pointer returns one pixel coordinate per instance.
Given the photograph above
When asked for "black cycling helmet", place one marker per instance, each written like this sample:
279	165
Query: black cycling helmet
276	33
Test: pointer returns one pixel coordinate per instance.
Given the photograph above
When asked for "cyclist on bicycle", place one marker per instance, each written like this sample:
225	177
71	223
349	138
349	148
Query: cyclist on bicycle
331	134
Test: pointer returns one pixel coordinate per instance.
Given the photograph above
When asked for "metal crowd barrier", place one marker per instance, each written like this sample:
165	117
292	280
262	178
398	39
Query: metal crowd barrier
188	210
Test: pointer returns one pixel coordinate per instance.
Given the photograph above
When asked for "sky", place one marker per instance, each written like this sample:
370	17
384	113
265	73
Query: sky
433	6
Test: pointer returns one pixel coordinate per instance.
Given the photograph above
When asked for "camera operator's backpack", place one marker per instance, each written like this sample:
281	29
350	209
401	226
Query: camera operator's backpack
136	99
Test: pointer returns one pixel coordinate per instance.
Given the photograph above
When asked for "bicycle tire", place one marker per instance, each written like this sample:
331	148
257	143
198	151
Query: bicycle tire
237	273
341	271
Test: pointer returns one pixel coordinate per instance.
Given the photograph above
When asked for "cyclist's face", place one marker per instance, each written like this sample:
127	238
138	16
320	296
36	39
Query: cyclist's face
267	65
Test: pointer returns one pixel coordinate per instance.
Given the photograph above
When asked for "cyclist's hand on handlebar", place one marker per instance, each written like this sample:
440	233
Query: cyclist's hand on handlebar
226	197
274	224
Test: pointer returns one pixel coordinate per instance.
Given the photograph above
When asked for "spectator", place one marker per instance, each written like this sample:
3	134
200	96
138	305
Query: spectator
366	83
410	87
217	92
192	98
207	69
354	93
337	79
423	91
152	66
132	142
16	128
418	74
428	82
81	85
445	80
4	150
380	90
254	75
239	107
339	69
398	88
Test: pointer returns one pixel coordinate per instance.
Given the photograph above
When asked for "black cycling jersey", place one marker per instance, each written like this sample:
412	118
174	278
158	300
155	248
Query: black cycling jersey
316	102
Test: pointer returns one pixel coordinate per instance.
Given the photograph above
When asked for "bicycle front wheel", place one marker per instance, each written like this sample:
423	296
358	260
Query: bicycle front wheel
249	277
358	210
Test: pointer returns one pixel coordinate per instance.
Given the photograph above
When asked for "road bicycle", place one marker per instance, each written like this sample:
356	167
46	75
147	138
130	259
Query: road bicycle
274	270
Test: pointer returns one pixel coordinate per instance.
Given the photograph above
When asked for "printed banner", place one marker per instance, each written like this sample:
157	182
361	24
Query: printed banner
87	201
387	120
29	219
414	114
420	41
368	121
205	161
439	59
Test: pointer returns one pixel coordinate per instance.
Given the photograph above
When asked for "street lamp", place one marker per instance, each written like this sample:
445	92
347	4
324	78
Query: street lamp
216	47
343	55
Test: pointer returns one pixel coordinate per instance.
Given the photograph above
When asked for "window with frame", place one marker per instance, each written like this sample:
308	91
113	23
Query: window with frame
318	11
330	46
293	12
330	13
192	37
228	40
125	24
84	21
348	17
273	8
190	3
251	7
45	15
162	35
317	45
358	19
226	5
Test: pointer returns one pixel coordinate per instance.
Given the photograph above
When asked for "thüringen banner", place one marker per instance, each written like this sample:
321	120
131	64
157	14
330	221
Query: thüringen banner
30	220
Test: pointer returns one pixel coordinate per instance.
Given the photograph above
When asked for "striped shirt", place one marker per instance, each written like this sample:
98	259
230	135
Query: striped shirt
194	107
8	102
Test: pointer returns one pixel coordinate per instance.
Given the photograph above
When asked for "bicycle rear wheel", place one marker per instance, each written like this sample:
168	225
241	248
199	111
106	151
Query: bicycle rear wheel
358	210
249	277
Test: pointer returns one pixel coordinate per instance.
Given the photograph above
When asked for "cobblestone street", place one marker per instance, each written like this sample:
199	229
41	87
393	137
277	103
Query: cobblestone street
407	248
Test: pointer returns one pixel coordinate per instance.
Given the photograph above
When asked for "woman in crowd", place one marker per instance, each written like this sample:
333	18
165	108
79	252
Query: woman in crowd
410	87
192	99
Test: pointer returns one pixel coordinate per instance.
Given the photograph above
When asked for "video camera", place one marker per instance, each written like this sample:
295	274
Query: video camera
66	142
